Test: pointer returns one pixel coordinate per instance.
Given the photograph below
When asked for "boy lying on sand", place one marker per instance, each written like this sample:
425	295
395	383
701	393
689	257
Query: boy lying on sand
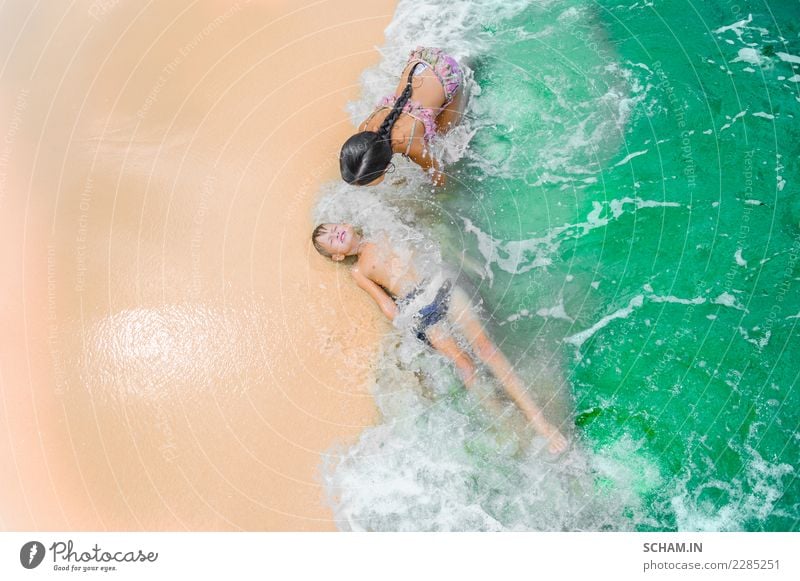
425	304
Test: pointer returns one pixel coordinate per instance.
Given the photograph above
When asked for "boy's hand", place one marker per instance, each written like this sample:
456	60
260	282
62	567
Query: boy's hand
385	302
390	310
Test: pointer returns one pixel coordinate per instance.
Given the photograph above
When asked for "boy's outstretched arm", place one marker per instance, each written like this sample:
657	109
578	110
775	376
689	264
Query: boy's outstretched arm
384	301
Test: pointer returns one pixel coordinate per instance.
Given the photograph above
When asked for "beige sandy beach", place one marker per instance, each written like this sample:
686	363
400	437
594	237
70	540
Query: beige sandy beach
173	355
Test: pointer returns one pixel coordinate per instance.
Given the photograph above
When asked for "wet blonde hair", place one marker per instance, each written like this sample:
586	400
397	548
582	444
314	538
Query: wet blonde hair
322	229
319	231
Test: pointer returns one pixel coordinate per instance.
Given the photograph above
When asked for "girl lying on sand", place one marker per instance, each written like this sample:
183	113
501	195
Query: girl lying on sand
425	304
427	101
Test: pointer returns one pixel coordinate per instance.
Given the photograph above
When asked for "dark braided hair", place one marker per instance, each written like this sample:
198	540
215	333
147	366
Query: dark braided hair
366	155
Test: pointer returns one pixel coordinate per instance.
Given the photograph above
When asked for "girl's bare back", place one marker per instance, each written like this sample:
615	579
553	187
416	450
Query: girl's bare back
427	90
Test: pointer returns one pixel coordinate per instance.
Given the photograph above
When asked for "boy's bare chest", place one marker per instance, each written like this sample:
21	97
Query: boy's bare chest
384	267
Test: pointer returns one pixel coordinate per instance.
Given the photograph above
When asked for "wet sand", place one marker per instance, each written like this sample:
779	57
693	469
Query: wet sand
174	355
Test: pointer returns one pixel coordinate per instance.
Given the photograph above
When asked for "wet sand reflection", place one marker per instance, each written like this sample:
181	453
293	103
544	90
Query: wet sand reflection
167	359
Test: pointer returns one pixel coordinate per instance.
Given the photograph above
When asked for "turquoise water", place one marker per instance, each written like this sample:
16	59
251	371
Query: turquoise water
628	204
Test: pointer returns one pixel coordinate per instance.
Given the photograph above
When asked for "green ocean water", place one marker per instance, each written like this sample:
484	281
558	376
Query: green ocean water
624	205
672	240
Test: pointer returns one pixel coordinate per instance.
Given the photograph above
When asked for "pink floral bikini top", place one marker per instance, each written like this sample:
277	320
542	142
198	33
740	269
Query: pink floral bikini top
413	109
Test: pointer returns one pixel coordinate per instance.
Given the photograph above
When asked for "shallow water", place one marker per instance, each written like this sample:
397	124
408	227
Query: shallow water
628	205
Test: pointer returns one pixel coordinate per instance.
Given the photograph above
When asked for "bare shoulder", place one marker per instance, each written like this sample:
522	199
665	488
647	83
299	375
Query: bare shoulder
374	121
360	277
367	259
369	254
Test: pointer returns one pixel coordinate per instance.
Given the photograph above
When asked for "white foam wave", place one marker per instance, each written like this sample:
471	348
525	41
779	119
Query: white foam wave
730	504
580	338
438	462
519	256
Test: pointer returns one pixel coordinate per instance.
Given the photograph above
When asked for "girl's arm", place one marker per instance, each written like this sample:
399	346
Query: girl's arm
384	301
428	163
433	168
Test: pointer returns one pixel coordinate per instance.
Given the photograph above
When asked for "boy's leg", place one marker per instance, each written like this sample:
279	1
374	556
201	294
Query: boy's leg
461	312
445	344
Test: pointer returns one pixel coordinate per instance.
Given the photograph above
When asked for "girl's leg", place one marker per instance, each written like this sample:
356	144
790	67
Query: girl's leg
454	81
451	113
462	313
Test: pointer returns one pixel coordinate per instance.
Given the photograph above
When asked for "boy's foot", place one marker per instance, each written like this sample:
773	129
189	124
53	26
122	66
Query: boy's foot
556	442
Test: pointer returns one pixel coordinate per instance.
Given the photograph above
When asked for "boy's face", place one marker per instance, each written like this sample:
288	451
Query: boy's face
338	240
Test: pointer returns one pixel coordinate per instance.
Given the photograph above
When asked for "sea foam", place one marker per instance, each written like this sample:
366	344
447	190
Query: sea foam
443	458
